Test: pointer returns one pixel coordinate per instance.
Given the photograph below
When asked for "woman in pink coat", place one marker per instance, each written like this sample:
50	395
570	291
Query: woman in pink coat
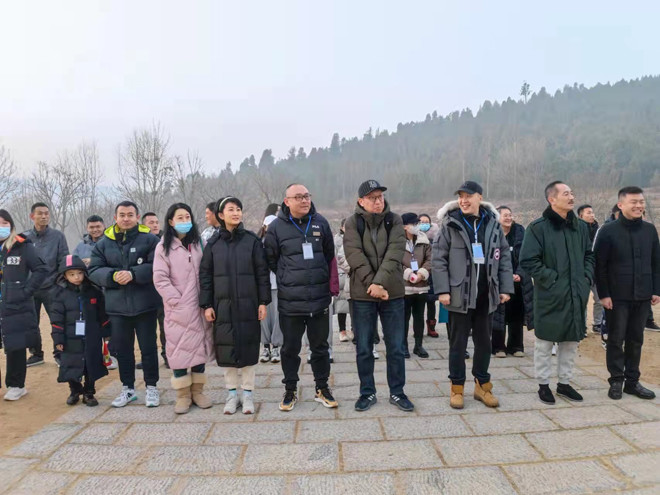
188	334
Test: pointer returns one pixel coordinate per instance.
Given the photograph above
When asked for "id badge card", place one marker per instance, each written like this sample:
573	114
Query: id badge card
80	328
414	266
478	253
308	251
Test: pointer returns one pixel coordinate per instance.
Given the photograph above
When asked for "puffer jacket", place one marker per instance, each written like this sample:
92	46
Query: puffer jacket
132	251
422	252
454	271
51	247
517	233
303	286
176	277
23	273
374	259
85	247
234	281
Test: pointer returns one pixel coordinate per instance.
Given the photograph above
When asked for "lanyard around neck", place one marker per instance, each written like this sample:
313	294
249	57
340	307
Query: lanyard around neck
301	230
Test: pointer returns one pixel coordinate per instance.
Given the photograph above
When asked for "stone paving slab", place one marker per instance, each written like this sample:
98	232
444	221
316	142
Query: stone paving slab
472	451
562	477
83	414
138	414
291	458
642	468
383	456
100	434
581	417
427	427
590	442
123	484
508	422
348	484
164	434
93	459
302	410
192	460
45	441
472	480
644	435
215	415
647	411
257	433
235	485
354	430
434	406
37	483
12	469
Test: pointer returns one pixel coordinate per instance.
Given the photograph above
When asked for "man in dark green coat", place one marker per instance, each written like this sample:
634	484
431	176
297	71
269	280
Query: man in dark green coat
557	253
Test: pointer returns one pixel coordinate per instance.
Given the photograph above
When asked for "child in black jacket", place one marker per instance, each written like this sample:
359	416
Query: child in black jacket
79	324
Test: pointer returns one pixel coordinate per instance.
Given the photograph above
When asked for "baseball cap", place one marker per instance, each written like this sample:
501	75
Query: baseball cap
369	186
469	187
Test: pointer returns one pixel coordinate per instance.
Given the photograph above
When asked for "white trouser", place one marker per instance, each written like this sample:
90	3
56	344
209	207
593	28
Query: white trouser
566	352
247	377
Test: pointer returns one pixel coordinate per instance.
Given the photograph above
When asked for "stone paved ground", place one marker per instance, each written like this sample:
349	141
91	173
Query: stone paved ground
524	447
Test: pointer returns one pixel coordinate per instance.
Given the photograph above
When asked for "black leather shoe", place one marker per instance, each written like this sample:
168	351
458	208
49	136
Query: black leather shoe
565	390
545	394
420	351
138	366
638	390
73	399
616	391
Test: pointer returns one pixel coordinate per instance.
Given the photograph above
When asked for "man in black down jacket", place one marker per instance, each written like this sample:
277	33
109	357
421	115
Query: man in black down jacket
122	263
300	247
628	281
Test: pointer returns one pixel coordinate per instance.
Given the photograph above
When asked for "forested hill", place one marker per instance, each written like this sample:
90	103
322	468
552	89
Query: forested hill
594	138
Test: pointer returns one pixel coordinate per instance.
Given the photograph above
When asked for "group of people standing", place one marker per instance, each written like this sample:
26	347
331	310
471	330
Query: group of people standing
237	297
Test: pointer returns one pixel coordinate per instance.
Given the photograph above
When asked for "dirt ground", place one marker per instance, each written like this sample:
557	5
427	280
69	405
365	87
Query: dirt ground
46	398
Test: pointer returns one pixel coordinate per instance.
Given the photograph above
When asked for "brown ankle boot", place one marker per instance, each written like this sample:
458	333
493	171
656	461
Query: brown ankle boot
430	328
456	400
183	395
198	397
484	393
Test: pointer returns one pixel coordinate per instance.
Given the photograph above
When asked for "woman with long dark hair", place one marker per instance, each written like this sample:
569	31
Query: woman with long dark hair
22	272
235	290
176	277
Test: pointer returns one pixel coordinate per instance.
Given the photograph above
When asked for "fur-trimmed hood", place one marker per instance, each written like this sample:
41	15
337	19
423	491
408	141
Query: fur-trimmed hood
453	205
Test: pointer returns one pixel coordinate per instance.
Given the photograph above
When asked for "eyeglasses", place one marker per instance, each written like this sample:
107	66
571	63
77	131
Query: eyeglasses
373	199
301	197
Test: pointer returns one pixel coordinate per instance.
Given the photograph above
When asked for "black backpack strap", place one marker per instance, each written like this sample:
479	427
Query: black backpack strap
389	223
359	221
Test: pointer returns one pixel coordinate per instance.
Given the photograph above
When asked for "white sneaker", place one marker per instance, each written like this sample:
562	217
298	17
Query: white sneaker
343	337
15	393
554	349
265	355
275	355
113	363
248	403
152	398
375	352
231	404
125	396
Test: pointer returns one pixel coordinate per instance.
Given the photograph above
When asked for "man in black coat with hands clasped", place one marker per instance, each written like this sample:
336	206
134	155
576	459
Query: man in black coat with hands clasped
628	282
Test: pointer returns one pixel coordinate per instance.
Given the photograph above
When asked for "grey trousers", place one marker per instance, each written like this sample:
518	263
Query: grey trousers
271	333
566	353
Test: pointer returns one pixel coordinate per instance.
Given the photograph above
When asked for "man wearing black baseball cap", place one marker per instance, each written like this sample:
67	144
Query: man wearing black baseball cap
374	244
471	236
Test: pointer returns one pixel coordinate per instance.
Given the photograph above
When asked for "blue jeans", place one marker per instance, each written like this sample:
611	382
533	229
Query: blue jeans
365	317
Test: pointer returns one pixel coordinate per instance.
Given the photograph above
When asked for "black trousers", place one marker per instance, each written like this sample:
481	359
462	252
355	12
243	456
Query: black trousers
293	328
124	331
161	330
481	323
77	387
430	307
625	322
42	297
16	368
514	310
414	305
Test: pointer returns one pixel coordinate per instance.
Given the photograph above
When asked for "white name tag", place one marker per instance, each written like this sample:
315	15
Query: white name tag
478	253
80	328
308	251
414	266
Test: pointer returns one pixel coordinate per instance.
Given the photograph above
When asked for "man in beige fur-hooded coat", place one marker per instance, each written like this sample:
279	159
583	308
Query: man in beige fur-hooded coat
472	275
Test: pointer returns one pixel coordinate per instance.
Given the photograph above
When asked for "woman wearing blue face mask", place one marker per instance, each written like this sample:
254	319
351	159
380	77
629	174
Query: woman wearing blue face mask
22	272
176	277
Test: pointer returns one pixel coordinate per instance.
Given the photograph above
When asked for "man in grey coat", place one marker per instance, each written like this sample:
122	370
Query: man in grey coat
472	274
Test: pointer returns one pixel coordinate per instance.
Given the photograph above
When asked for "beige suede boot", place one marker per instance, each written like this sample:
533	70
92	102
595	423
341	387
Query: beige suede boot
484	393
198	397
456	400
183	394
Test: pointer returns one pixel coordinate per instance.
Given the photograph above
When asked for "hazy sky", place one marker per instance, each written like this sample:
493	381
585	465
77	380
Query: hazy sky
232	78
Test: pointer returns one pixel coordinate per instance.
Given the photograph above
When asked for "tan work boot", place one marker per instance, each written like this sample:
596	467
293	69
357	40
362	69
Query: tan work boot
456	400
484	393
183	394
198	397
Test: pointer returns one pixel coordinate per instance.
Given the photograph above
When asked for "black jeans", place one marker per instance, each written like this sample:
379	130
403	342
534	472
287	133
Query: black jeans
625	322
200	368
366	320
293	328
481	323
514	311
16	368
77	387
161	330
430	307
42	297
414	305
124	330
